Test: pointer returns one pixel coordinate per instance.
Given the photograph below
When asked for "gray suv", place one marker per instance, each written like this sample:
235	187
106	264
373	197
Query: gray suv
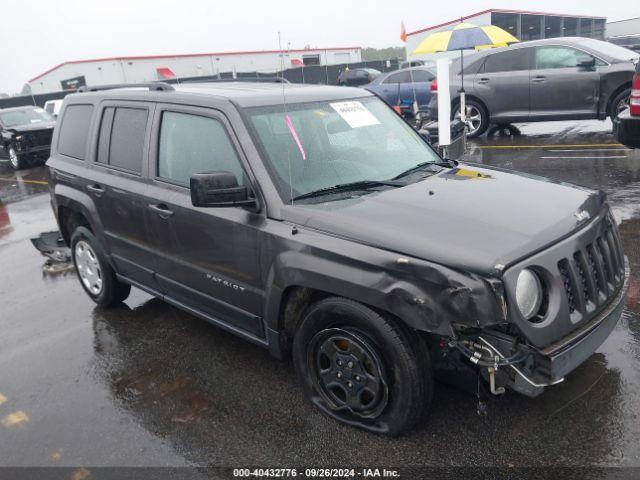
554	79
315	222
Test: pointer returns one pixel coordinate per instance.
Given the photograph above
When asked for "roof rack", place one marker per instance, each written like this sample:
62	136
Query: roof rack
152	86
235	80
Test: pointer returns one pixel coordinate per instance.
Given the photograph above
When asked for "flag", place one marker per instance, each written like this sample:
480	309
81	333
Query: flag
403	32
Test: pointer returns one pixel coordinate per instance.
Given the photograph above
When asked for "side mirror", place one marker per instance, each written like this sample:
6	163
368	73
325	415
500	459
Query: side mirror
219	189
586	63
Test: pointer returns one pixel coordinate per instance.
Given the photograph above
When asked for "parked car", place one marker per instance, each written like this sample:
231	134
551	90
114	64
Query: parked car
25	135
627	124
414	63
357	76
403	87
53	107
567	78
327	227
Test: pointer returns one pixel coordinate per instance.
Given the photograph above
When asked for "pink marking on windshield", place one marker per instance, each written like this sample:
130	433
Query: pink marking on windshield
294	134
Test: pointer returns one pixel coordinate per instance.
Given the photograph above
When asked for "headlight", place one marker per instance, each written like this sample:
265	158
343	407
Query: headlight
528	293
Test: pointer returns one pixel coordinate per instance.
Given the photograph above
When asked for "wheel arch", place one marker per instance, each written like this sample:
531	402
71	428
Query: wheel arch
430	300
74	208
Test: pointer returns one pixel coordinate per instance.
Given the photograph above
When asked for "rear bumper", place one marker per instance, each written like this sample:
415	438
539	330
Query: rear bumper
627	129
456	149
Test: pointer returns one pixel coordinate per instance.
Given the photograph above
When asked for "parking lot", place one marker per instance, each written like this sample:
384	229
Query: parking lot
149	385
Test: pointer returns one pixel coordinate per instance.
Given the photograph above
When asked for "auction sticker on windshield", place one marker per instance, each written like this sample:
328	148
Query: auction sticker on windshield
355	114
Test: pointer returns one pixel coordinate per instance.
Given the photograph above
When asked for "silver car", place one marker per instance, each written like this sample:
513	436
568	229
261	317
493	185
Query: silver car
566	78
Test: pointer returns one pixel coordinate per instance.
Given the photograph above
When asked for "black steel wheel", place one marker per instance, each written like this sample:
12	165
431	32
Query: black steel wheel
348	372
362	368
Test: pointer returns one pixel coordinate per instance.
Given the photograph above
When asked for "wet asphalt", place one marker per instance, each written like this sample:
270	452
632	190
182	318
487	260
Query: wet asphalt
149	385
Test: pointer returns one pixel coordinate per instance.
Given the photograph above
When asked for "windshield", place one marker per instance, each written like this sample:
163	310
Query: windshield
24	117
323	144
609	49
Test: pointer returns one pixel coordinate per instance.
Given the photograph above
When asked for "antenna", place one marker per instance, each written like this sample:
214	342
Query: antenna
177	76
286	117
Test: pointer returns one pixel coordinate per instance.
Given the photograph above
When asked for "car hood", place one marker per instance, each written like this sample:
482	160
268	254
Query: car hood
471	218
31	127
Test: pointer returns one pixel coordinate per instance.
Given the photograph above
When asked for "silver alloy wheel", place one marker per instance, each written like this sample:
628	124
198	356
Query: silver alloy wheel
88	267
474	118
13	158
623	105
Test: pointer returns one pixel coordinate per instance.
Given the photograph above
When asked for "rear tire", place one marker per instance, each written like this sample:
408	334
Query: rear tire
619	103
94	272
478	116
362	368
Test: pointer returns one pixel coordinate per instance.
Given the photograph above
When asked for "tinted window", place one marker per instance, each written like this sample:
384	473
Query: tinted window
421	76
72	140
511	61
193	144
558	57
400	77
121	140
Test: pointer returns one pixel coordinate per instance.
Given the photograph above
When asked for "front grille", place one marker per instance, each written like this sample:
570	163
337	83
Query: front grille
594	273
38	139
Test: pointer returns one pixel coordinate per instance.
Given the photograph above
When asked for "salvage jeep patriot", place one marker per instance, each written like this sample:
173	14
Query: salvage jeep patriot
314	221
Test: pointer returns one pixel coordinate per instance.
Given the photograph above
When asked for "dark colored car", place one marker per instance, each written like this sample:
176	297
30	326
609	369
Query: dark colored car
542	80
328	229
357	76
627	124
404	87
25	135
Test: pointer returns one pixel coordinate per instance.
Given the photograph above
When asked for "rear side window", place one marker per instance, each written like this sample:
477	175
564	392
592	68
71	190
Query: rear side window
121	138
194	144
400	77
74	131
421	76
511	61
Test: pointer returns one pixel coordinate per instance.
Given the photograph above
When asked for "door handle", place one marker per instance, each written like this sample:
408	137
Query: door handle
539	79
162	210
96	189
483	81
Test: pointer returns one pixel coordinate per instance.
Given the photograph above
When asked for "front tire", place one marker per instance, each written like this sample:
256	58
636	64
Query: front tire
362	368
15	159
94	272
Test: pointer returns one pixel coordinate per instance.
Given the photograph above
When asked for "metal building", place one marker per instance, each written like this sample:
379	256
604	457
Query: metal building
521	24
625	33
73	74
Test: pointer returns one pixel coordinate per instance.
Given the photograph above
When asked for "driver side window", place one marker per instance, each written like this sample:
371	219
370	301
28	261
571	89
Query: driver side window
558	57
194	144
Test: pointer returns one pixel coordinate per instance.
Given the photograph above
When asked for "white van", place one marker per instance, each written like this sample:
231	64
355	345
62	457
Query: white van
53	107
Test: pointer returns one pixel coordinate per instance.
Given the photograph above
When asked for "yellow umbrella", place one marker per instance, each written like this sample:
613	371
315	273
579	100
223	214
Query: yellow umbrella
465	36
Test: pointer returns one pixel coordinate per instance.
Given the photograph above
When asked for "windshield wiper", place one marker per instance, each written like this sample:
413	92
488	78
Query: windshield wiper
420	166
345	187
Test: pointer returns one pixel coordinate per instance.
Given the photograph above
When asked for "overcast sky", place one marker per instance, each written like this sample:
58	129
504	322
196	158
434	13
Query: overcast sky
48	32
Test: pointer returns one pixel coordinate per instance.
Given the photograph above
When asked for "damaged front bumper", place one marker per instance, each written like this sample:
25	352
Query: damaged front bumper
548	366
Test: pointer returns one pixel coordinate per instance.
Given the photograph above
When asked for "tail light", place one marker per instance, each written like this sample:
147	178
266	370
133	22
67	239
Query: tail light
434	86
634	101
